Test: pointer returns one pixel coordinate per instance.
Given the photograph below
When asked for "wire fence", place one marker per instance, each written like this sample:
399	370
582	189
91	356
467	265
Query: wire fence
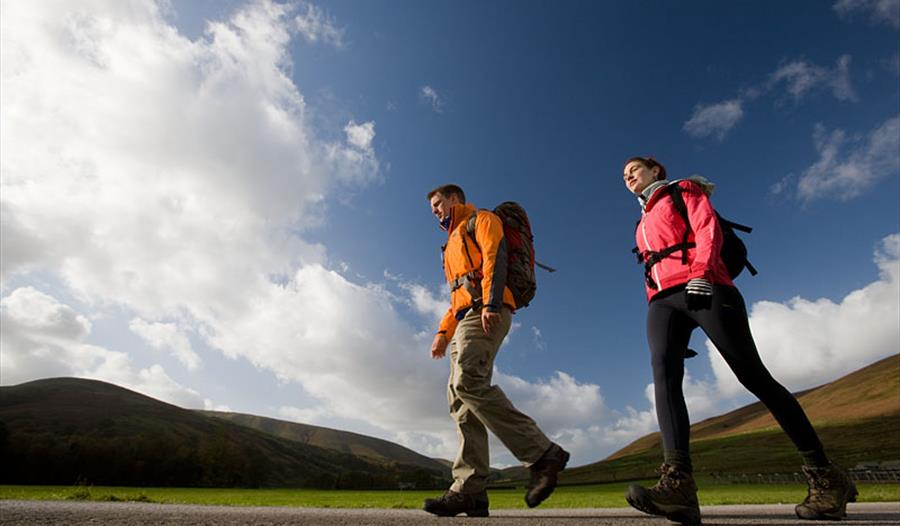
882	475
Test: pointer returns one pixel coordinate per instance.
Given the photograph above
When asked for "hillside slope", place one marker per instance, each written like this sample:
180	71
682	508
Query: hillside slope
372	449
857	418
66	430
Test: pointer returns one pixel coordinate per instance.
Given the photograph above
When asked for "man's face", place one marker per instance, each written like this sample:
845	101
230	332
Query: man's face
440	205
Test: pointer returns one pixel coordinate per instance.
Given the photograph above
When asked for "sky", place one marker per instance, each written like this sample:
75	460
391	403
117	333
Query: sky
222	204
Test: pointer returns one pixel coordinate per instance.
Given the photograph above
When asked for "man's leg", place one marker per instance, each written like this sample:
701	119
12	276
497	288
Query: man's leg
471	468
472	385
489	404
472	464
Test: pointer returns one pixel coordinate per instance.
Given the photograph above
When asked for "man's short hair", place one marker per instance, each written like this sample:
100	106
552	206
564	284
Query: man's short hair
448	190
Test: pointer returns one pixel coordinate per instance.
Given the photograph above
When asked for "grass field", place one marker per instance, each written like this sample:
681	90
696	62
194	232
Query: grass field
592	496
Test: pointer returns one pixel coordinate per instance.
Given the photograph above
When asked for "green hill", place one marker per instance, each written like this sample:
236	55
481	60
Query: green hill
857	418
67	430
372	449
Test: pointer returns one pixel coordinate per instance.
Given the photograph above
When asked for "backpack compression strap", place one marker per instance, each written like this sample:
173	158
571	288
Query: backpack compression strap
470	228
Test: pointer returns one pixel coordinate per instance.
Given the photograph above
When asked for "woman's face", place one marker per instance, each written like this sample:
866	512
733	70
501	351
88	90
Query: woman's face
638	176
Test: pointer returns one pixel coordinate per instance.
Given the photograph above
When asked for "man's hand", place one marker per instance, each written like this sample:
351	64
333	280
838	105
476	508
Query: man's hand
489	320
439	346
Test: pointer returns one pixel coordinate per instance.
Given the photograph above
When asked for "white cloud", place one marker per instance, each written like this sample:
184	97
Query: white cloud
879	11
315	25
847	175
432	306
167	336
44	338
538	338
800	77
431	96
550	402
805	343
714	119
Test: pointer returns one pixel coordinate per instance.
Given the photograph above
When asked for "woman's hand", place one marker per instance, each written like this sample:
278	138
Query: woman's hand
699	294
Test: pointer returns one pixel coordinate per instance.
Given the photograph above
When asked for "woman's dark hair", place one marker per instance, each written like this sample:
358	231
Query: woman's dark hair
649	162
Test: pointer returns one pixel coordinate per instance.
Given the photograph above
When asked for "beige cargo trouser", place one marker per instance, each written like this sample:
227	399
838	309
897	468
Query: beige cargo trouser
476	405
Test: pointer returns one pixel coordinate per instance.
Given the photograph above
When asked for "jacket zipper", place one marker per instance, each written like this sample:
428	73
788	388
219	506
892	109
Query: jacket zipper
647	243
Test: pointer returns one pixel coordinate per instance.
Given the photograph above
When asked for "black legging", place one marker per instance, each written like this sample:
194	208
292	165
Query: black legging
669	327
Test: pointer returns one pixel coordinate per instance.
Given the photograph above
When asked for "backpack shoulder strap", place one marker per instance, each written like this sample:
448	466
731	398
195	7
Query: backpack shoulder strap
470	227
675	193
678	202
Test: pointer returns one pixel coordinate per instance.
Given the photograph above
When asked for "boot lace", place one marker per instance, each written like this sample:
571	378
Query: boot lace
666	480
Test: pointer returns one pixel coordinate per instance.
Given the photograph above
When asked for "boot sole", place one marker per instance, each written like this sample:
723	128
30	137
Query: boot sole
684	515
473	513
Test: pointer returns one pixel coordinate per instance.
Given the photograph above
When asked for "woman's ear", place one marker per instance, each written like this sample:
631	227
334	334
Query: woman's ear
655	172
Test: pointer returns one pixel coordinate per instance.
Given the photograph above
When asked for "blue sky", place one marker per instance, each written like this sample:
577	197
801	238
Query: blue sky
222	204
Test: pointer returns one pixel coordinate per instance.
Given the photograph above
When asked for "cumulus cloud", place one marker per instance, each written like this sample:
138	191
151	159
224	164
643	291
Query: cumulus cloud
805	342
432	306
167	336
431	96
879	11
797	78
714	120
847	166
315	25
43	338
800	77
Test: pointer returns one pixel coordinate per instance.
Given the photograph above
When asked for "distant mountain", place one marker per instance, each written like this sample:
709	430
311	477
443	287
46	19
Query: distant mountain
66	430
371	449
857	418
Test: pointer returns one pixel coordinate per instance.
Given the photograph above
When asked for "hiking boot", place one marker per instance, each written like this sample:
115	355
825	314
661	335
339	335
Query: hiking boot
543	475
674	497
451	504
830	489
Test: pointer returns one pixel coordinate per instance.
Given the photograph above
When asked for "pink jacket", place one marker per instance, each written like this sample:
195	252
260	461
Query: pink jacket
661	226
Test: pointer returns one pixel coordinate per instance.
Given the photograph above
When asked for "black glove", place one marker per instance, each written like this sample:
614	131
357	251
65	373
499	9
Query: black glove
699	294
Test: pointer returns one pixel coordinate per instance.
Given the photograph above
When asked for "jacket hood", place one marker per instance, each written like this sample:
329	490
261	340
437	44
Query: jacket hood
705	184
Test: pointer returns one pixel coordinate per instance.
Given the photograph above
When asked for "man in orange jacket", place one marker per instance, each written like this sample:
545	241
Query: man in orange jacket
474	326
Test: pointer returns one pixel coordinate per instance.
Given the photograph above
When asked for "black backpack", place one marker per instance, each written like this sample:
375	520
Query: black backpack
734	251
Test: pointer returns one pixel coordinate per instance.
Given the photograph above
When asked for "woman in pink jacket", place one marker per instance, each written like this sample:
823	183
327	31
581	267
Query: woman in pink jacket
688	286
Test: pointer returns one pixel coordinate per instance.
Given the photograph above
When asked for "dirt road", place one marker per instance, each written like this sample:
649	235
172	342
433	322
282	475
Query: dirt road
45	513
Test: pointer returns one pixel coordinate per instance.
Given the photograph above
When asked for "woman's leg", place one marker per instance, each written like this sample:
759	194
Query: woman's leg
668	333
727	326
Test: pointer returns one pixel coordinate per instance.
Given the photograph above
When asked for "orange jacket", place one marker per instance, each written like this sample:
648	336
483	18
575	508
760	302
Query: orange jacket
477	258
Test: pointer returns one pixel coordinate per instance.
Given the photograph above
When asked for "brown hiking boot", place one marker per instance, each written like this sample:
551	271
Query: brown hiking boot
451	504
830	489
674	497
543	475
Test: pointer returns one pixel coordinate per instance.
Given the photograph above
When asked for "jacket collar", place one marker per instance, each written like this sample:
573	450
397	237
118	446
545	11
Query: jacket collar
459	214
651	193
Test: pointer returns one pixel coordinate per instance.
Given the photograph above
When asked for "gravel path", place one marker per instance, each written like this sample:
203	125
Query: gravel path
46	513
